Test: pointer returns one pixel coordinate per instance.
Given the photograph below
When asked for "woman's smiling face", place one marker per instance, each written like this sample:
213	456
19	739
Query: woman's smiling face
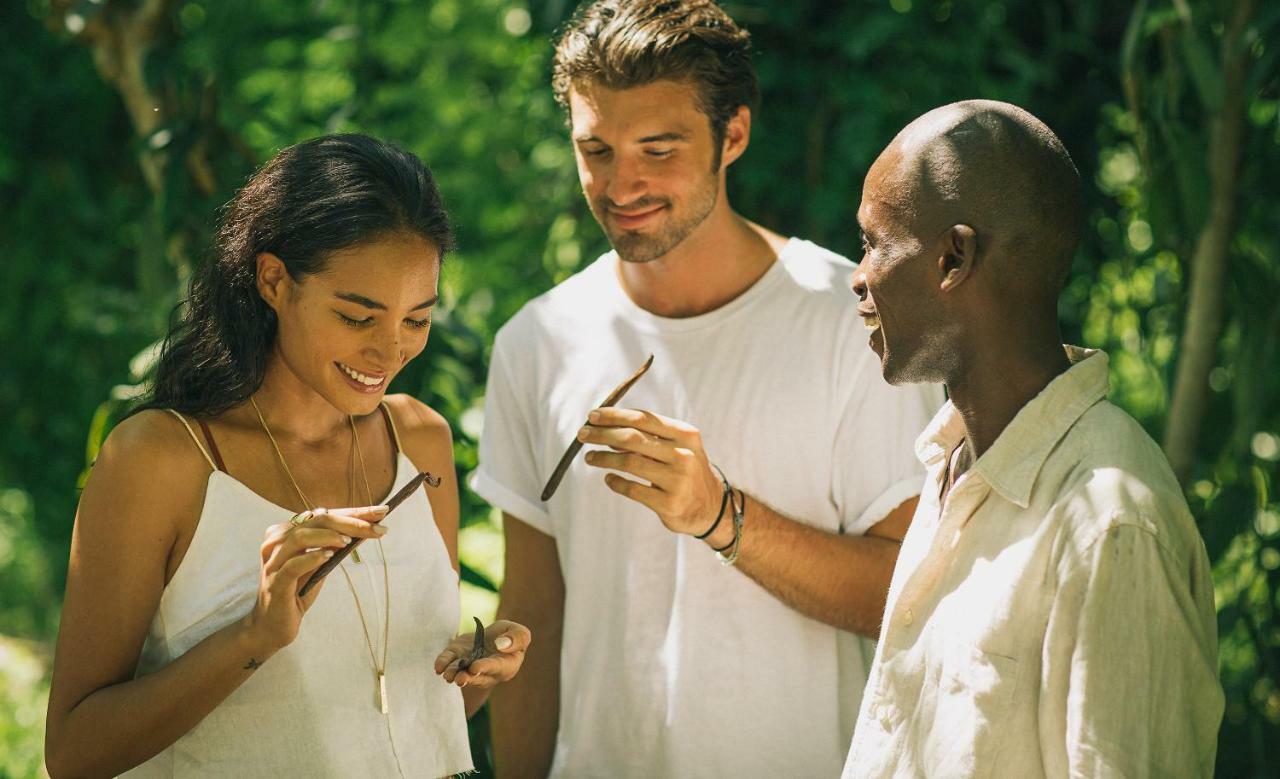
347	331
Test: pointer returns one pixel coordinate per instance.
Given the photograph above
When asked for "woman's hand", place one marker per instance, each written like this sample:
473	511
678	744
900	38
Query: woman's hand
506	643
290	555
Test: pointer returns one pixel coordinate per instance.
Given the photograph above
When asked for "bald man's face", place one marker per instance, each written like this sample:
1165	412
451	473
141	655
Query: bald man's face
896	281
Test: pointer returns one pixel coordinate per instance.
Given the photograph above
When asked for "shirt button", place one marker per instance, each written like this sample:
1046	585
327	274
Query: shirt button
908	618
886	720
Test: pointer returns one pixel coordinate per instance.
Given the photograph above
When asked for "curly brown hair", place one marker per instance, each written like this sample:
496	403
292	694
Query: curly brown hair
620	44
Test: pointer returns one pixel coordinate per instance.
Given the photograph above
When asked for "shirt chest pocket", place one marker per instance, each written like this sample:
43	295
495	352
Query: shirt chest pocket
975	694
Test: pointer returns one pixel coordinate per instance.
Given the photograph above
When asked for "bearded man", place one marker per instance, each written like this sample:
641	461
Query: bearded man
654	656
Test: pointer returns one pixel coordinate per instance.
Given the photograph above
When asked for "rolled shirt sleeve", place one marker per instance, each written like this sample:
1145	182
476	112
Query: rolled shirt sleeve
507	477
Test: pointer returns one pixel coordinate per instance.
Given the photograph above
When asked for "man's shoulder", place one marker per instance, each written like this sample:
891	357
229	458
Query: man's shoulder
1116	475
1110	441
815	269
824	311
564	307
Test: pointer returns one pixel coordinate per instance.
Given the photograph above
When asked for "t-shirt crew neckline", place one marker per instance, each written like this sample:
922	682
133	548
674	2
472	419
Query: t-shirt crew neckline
647	320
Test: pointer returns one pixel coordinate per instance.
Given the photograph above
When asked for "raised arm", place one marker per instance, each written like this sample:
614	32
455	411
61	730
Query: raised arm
842	580
101	720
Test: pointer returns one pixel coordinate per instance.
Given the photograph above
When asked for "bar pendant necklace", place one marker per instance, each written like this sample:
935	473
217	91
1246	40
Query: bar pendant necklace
378	669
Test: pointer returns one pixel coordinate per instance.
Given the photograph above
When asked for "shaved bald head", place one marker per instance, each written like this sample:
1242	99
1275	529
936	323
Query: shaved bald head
970	218
1000	170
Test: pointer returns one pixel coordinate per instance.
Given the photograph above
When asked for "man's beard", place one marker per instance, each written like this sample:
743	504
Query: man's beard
634	246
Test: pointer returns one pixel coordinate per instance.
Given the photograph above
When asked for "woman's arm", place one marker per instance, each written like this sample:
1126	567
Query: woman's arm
102	721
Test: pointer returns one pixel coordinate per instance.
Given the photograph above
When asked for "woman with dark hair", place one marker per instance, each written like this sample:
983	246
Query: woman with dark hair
185	647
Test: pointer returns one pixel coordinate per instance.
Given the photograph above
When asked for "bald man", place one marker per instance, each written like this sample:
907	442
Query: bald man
1051	612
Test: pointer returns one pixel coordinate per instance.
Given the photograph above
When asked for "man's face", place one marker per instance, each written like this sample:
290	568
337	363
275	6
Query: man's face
645	160
896	281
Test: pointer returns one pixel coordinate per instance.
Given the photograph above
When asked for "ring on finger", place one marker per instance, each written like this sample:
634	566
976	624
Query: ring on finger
297	520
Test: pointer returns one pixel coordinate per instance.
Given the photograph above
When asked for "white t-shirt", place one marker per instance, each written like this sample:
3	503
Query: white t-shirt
673	664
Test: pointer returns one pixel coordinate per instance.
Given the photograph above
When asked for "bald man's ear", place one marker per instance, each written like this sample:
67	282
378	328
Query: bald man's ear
958	256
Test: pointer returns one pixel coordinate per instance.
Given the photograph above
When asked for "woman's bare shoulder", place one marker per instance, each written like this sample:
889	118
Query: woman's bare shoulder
419	424
151	451
155	435
424	434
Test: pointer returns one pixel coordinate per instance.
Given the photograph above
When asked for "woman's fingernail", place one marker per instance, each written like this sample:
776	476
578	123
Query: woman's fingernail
346	539
583	433
379	530
502	642
594	416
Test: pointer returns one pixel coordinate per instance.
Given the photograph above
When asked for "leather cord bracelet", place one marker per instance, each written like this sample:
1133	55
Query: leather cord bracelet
726	547
739	508
724	501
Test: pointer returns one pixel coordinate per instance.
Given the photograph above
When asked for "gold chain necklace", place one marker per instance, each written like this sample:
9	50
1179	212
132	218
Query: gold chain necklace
351	489
380	670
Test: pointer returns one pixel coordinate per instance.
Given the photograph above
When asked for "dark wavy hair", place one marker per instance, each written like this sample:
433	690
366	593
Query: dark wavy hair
310	201
621	44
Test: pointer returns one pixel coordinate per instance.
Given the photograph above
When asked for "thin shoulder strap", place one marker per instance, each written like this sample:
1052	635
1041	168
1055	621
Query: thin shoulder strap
391	427
213	445
195	438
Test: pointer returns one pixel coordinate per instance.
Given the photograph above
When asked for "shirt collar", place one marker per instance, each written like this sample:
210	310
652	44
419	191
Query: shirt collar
1012	464
944	431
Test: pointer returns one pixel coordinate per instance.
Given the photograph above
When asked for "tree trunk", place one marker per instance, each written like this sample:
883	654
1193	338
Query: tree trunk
120	36
1204	318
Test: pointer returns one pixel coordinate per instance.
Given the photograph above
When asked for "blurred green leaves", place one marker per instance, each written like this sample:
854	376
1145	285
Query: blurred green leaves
24	687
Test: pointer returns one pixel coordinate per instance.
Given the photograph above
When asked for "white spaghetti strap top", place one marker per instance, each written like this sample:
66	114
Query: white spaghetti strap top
312	709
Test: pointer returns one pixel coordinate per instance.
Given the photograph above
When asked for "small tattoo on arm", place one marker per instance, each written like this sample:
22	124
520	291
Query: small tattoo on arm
252	664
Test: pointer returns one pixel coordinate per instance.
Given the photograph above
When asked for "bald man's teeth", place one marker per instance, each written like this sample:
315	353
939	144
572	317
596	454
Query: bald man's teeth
872	323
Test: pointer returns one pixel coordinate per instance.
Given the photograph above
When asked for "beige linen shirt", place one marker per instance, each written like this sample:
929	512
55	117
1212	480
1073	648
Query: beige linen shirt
1054	615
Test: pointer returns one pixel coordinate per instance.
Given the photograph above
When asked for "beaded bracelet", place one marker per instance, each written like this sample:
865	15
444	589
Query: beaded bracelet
739	507
724	500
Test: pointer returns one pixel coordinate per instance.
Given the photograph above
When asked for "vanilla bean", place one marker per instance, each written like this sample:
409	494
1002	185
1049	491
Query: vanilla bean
339	555
478	649
566	459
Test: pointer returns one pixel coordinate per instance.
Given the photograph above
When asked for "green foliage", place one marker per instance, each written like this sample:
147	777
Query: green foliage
1158	167
24	568
94	258
24	687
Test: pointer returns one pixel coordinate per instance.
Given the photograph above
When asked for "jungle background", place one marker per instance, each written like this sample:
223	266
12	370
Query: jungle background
125	125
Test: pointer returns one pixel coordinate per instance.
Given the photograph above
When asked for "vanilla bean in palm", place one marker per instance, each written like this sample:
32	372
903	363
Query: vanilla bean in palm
478	649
